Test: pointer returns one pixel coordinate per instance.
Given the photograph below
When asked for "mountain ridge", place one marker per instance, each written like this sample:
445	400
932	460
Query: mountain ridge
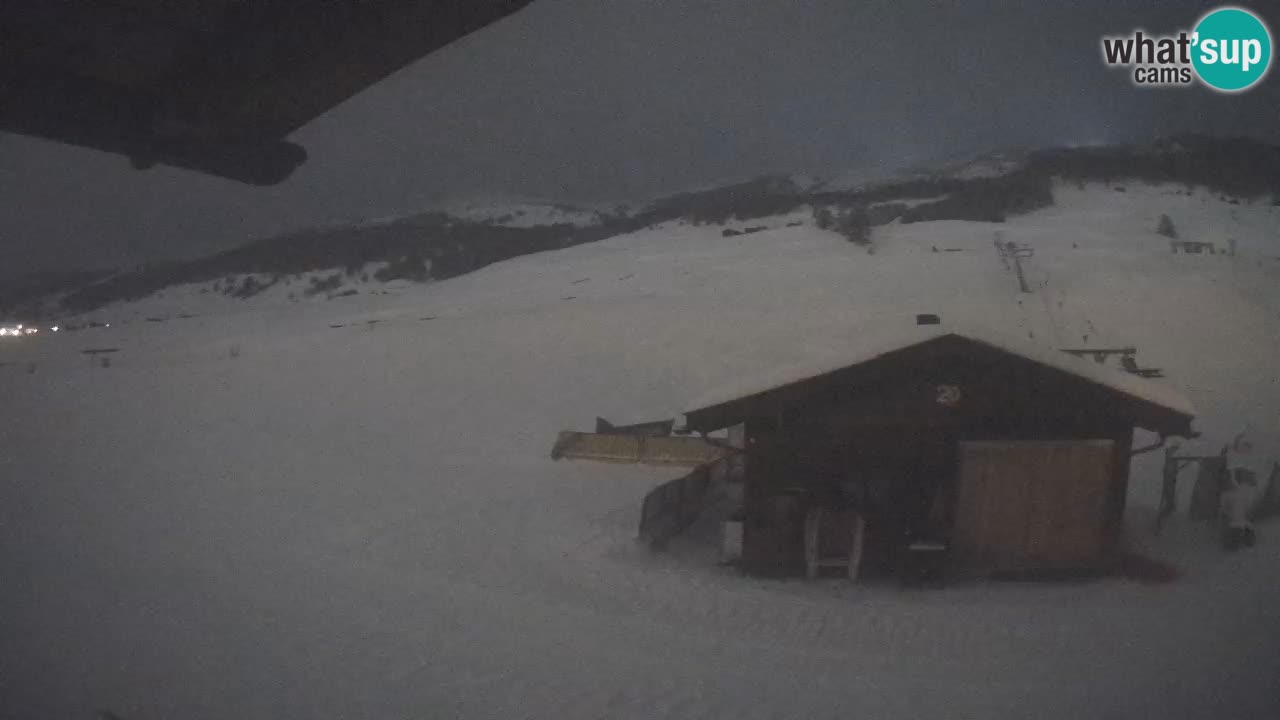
440	244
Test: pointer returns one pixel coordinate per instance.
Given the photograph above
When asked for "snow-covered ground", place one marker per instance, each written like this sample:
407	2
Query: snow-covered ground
257	514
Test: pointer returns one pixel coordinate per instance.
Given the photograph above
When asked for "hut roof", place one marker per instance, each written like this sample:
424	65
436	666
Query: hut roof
1166	409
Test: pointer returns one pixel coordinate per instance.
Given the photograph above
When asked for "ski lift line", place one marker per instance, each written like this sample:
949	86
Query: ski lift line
1017	265
1000	250
1048	311
1011	250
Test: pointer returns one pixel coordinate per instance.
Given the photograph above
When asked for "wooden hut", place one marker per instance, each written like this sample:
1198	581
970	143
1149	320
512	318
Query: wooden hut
1011	456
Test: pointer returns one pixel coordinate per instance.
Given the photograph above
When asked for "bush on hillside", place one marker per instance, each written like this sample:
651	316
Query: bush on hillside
855	225
823	218
248	287
324	285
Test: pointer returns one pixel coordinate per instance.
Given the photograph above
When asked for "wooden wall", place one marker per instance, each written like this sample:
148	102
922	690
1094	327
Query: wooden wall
1034	506
1069	517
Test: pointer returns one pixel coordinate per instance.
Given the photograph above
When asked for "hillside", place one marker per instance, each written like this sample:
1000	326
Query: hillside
346	508
441	244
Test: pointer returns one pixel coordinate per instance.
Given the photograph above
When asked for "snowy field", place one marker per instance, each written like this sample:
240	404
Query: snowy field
255	514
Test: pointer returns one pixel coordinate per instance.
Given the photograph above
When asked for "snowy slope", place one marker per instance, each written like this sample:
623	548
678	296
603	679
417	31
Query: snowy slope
519	214
256	514
988	165
962	167
523	214
218	297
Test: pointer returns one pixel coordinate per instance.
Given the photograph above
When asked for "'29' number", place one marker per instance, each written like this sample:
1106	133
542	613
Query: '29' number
948	395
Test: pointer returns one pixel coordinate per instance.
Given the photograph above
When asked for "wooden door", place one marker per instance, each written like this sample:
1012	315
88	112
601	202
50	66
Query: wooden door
1033	505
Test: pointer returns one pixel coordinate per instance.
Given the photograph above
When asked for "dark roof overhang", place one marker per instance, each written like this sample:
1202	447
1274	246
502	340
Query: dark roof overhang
214	86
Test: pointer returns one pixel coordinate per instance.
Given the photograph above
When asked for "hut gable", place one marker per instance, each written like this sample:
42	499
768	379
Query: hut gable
1013	378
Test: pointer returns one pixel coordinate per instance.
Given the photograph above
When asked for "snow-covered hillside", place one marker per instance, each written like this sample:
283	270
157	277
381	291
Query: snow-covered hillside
526	214
346	508
224	297
985	166
517	214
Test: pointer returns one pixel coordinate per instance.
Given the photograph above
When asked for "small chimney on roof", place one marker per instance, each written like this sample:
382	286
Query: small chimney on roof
928	319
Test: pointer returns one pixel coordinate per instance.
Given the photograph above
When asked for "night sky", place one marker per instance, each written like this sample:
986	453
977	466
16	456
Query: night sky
590	101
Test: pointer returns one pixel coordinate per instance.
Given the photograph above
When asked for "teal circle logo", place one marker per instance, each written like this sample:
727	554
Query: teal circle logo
1231	49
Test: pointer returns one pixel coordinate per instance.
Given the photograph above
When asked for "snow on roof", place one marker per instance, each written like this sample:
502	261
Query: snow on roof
840	352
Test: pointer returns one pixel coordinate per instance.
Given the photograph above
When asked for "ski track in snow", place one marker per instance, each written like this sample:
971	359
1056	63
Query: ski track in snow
362	522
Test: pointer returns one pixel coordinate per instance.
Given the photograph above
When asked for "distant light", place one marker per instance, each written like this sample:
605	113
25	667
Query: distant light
54	328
